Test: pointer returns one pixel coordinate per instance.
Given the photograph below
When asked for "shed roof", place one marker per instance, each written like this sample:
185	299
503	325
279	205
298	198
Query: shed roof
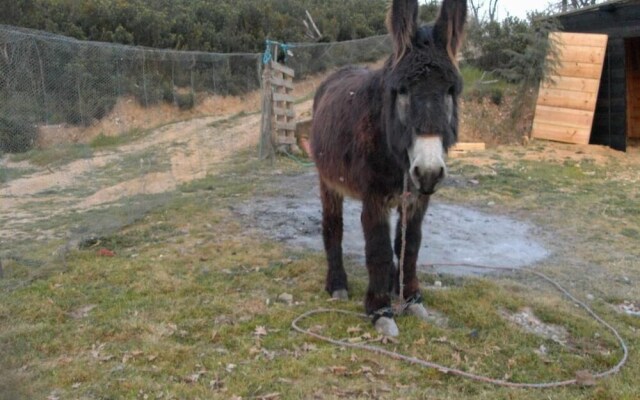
610	5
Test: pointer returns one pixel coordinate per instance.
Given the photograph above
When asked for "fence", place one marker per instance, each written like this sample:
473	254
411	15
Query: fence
48	80
102	121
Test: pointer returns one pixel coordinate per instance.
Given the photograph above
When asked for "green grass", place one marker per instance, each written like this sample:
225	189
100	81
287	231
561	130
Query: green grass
9	174
55	155
472	78
175	313
228	121
103	141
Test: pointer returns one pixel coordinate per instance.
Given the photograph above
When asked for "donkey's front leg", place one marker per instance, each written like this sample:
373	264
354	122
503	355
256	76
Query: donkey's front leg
413	239
379	259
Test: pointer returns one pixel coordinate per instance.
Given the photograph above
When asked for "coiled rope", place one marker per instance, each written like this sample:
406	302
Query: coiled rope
457	372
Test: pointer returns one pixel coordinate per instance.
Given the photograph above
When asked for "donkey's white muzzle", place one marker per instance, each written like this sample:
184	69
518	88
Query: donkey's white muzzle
427	168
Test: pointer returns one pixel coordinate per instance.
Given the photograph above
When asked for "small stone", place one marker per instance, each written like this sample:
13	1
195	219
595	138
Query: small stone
591	297
437	284
626	280
541	351
491	203
286	298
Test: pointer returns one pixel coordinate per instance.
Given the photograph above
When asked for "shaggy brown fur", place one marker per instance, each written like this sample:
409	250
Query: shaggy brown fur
364	124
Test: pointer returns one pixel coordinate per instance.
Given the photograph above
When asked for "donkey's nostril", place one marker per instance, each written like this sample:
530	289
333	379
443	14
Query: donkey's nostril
441	174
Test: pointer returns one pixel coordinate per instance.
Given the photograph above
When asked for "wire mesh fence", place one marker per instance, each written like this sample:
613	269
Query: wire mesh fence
93	136
47	79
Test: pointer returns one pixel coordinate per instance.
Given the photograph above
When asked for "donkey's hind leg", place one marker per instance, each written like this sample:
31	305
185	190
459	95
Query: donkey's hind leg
332	227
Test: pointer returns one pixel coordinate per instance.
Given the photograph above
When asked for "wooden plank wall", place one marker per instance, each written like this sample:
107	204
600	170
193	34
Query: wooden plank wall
567	100
621	22
632	50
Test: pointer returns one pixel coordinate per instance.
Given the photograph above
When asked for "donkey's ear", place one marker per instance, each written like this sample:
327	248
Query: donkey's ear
449	27
402	23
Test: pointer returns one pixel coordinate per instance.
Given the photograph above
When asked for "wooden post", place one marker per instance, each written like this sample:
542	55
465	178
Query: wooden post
278	118
267	145
285	125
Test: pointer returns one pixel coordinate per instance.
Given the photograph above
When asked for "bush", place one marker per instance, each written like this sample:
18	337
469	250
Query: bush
480	92
185	101
16	136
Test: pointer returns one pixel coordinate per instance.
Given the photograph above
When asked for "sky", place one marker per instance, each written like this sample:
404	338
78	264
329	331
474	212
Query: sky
519	8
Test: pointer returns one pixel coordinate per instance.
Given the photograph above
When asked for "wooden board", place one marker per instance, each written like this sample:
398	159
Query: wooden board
463	148
567	99
283	69
284	115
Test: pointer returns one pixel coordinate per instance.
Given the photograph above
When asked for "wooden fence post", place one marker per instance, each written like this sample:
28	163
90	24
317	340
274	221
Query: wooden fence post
278	130
267	145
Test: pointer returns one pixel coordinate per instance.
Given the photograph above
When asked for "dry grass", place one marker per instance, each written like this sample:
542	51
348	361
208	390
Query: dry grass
187	307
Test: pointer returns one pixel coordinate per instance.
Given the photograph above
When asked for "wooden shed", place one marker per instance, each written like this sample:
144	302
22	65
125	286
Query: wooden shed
616	122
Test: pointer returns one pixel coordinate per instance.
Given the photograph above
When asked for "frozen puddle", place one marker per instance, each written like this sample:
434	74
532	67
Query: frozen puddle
451	234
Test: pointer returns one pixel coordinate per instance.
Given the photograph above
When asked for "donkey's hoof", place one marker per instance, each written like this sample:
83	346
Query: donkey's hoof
387	327
418	310
341	294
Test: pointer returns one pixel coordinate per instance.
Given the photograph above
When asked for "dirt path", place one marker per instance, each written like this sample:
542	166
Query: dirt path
191	149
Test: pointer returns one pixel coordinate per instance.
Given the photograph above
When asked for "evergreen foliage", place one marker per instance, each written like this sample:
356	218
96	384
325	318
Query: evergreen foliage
224	26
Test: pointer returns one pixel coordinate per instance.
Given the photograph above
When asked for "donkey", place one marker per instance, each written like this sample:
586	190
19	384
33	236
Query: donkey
372	130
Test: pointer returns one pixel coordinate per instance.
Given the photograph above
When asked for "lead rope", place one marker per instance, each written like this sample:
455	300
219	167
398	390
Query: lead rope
401	305
579	380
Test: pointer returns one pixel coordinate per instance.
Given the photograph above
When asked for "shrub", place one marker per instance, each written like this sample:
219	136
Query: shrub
185	101
16	136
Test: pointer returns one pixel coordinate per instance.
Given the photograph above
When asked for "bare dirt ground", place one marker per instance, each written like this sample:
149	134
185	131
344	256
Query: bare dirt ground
193	149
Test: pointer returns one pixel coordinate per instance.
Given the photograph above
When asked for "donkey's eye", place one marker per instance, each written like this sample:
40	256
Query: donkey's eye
403	91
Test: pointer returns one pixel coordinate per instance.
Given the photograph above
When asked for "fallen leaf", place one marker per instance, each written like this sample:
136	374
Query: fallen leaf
420	342
194	378
309	347
105	253
354	329
216	384
338	370
366	370
96	352
260	331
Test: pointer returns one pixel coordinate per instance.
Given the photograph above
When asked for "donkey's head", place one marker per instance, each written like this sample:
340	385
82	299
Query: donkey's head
422	85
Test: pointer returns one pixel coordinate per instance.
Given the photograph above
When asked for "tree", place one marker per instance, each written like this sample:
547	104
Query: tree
575	4
477	7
